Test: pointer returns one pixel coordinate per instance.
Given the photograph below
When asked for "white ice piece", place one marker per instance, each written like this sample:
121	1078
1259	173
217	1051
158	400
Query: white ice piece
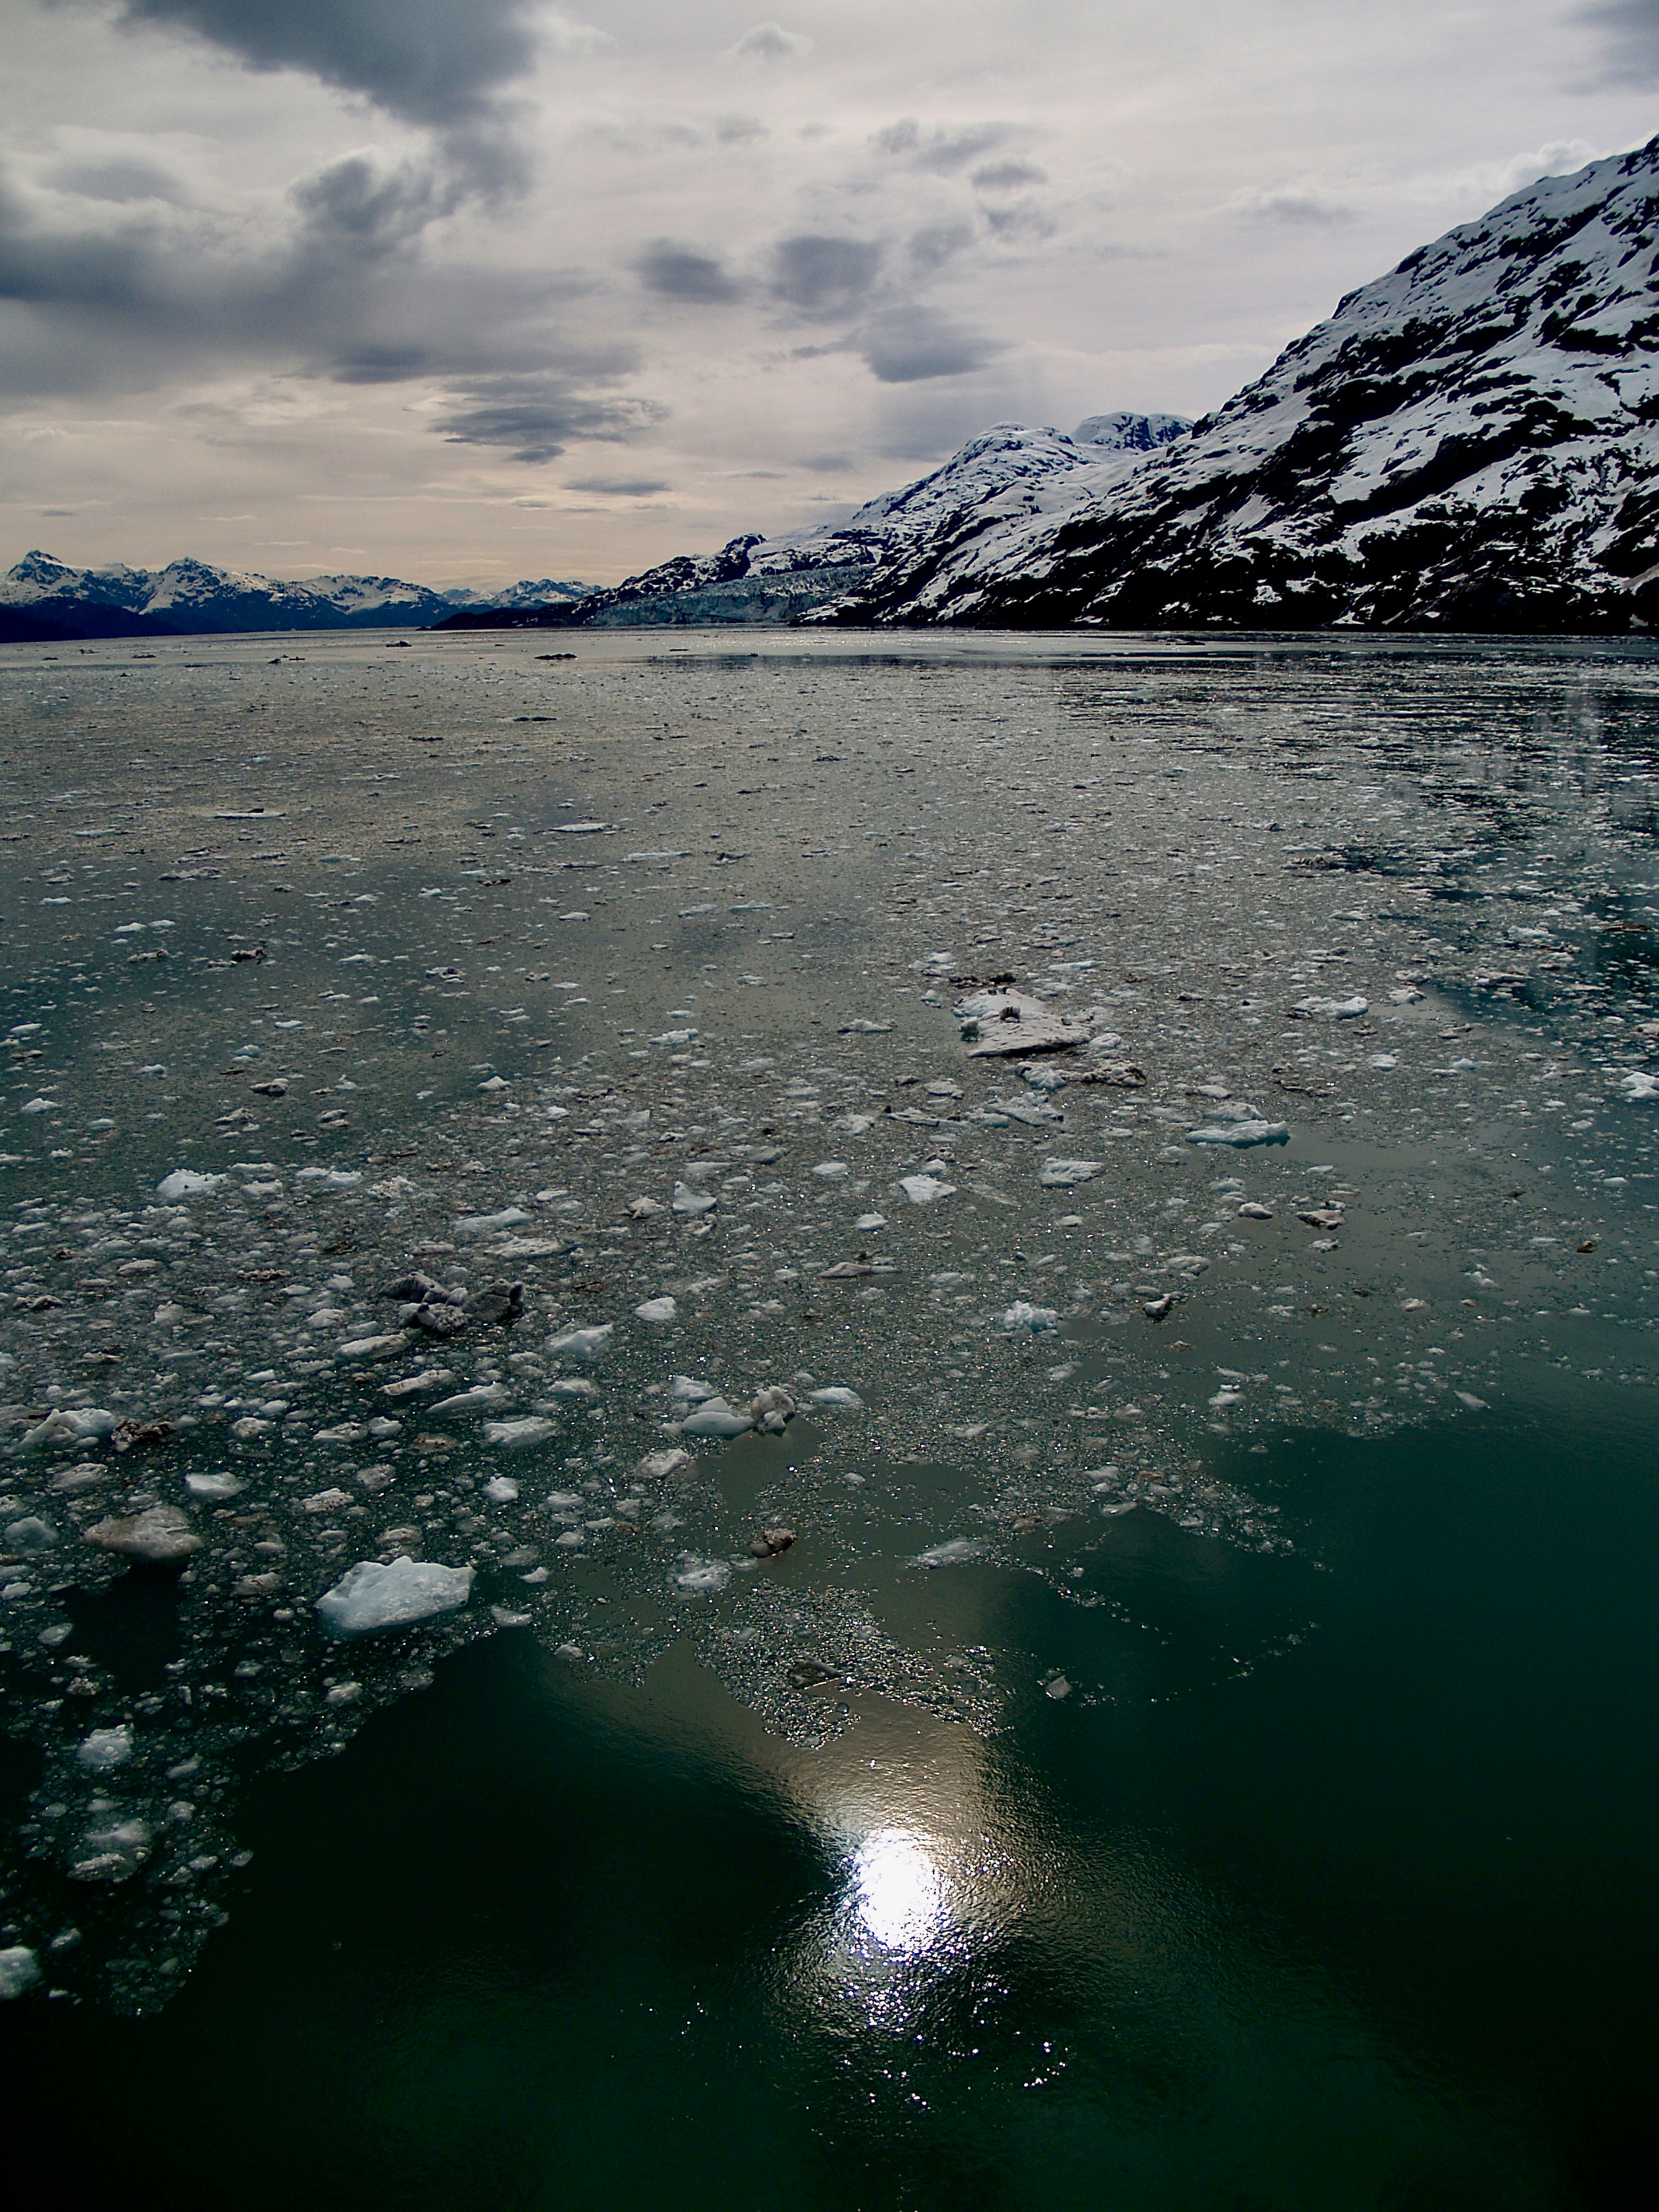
214	1486
20	1969
488	1224
658	1467
514	1436
478	1399
663	1309
1638	1083
501	1490
186	1182
837	1393
67	1427
1334	1009
583	1343
1023	1315
1057	1172
1240	1134
371	1596
923	1190
996	1025
687	1201
951	1553
107	1747
714	1418
699	1576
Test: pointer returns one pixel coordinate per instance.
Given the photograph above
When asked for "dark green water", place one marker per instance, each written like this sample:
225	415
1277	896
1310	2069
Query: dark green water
1368	1926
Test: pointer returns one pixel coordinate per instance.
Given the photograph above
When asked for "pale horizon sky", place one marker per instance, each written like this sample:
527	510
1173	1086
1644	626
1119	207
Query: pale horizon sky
468	294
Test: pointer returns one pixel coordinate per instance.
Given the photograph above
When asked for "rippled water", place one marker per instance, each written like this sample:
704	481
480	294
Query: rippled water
1216	1587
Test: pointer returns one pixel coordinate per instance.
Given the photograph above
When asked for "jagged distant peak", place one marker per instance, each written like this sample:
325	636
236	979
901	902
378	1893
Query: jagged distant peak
1123	432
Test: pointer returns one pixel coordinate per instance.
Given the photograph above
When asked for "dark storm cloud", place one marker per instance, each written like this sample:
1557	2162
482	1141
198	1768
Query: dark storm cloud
823	276
436	61
1632	29
534	417
679	272
907	345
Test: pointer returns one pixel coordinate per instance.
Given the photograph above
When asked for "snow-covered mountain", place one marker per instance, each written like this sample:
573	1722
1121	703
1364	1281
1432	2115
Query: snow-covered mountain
1010	472
44	595
1470	443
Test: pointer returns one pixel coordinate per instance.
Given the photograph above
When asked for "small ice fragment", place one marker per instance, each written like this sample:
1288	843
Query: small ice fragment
20	1969
107	1747
503	1619
1383	1060
326	1501
1057	1172
529	1429
1059	1688
699	1576
951	1553
864	1029
486	1224
923	1190
160	1535
658	1467
214	1486
663	1309
832	1171
31	1533
1468	1398
837	1393
501	1490
476	1399
410	1386
583	1343
714	1418
371	1596
1254	1210
688	1389
1023	1315
1240	1134
644	1209
687	1201
1638	1083
1334	1009
67	1427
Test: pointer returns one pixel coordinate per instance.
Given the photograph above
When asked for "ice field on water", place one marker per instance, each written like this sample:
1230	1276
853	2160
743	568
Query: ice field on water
500	1144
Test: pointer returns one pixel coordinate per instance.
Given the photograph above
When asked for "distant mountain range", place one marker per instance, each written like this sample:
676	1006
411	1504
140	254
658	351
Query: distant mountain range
1010	473
42	599
1470	443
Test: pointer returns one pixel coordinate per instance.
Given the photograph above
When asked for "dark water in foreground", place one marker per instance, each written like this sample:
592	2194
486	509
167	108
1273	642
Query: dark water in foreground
1369	1927
1197	1752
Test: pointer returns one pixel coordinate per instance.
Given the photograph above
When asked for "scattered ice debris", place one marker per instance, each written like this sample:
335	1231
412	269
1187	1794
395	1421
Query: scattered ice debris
657	1309
1057	1173
997	1023
1022	1315
159	1536
771	1409
837	1393
714	1418
371	1596
699	1576
952	1553
105	1747
31	1533
19	1971
923	1190
1334	1009
1637	1083
516	1435
186	1182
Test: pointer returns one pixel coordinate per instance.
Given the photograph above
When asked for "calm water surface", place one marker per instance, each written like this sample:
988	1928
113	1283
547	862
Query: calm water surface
1197	1749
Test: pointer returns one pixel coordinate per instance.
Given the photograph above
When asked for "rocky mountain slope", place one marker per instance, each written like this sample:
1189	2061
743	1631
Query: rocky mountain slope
43	598
1008	474
1470	443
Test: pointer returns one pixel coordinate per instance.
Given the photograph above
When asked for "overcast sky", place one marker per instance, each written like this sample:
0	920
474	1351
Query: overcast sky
469	290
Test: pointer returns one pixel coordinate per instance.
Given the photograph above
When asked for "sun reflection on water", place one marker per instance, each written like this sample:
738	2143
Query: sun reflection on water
900	1896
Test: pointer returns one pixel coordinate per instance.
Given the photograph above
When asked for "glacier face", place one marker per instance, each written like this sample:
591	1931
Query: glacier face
1469	443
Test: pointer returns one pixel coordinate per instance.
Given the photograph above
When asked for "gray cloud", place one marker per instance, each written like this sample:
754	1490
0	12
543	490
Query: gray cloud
1293	204
679	272
770	42
823	276
435	61
941	150
935	243
534	417
1631	29
618	487
909	345
122	179
1007	176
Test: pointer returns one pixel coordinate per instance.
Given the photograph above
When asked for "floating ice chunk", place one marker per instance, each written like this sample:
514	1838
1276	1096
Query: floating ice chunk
677	1037
214	1486
687	1201
107	1747
1638	1083
31	1533
864	1029
688	1388
1056	1172
160	1536
326	1501
20	1969
1468	1398
331	1178
1383	1060
373	1347
771	1409
952	1553
513	1435
411	1386
1240	1134
1057	1688
1023	1315
1040	1077
481	1396
486	1224
699	1576
574	1385
832	1171
714	1418
185	1182
644	1209
1334	1009
343	1432
503	1619
1252	1210
1000	1023
871	1221
837	1393
371	1596
583	1343
49	1106
658	1467
923	1190
663	1309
